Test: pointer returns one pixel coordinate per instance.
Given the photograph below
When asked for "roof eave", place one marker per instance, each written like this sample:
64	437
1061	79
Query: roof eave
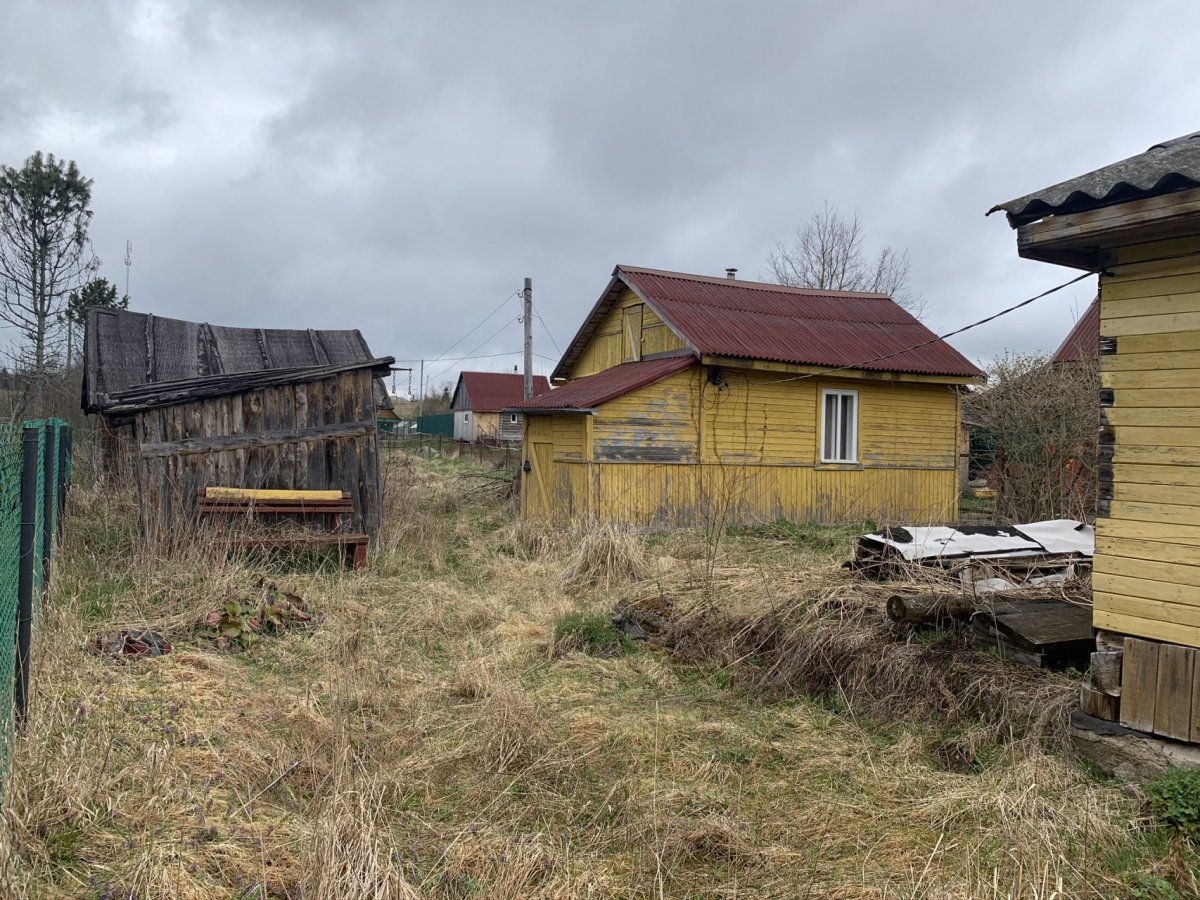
1086	239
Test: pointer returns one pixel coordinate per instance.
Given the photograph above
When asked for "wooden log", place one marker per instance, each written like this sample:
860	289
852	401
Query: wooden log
1100	705
917	609
1109	641
1106	672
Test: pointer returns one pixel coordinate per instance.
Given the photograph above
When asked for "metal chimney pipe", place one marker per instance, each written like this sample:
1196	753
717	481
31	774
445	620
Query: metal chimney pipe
731	273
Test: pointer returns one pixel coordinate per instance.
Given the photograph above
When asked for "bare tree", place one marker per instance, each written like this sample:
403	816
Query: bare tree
1041	418
828	252
44	256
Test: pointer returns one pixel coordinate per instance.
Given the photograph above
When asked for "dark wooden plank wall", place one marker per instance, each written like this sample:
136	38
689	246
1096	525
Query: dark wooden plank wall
315	435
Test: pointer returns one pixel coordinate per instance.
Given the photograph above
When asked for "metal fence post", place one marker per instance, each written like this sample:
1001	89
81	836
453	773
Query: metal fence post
64	463
29	502
49	461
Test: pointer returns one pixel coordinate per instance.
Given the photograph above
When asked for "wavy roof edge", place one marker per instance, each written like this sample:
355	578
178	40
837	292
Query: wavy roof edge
1164	168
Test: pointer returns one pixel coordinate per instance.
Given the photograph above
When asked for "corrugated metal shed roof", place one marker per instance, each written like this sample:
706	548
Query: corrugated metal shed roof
592	390
1170	166
493	391
124	350
755	320
1083	341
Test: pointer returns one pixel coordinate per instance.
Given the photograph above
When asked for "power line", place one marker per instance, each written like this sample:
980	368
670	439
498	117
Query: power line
477	327
936	338
546	328
482	344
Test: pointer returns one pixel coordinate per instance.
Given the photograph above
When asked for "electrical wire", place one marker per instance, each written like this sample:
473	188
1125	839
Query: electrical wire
546	328
482	344
477	327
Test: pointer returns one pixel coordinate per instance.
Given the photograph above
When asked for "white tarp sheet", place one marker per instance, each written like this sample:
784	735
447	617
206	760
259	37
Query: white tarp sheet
1053	537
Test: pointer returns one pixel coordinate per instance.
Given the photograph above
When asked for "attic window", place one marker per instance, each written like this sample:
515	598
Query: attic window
839	426
512	417
631	337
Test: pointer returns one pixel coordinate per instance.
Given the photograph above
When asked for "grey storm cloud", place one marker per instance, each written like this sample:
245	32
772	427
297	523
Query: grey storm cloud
399	167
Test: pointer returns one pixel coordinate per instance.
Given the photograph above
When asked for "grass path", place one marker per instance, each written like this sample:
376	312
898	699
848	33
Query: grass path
427	737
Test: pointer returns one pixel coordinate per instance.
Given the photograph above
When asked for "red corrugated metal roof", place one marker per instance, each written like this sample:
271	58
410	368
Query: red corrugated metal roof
1083	341
592	390
494	391
754	320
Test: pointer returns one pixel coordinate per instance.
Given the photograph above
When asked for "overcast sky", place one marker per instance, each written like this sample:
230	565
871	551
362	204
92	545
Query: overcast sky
399	167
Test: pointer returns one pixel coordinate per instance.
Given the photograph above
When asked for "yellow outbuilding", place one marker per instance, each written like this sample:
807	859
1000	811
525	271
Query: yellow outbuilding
1137	223
686	399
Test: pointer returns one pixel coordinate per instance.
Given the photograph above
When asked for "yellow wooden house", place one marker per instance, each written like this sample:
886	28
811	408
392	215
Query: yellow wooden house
685	399
1137	224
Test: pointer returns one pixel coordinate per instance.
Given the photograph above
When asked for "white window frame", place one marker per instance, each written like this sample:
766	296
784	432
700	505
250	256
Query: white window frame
512	418
850	454
466	417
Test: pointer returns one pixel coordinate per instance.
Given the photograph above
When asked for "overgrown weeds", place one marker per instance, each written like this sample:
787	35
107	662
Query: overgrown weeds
431	735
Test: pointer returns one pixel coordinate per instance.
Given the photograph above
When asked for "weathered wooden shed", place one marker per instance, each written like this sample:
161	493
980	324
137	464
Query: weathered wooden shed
203	406
687	399
1137	224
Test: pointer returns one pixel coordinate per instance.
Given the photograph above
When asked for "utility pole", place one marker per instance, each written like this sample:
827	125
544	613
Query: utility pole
421	391
527	320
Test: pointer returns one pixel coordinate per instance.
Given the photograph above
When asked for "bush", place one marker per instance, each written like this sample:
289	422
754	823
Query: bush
591	633
1174	800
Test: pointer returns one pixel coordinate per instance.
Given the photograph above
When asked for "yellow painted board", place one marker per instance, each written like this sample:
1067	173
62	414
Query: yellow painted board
1156	325
1178	495
1156	398
1149	362
267	494
1157	250
1152	379
1181	264
1141	626
1153	569
1165	532
1183	599
1162	513
1158	435
1182	474
1115	289
1155	456
1155	417
1159	551
1148	306
1137	344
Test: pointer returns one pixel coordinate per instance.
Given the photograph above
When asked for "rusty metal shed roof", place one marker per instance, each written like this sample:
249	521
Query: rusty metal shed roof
1170	166
582	394
124	350
771	322
1083	341
493	391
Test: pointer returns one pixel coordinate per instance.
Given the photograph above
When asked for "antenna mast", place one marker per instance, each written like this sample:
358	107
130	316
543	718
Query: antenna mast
128	264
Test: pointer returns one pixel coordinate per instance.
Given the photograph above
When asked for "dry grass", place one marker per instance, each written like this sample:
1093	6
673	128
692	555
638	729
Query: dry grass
420	740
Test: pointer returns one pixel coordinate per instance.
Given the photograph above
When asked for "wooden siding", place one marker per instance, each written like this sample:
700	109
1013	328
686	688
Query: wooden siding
1147	575
654	424
607	348
315	435
685	450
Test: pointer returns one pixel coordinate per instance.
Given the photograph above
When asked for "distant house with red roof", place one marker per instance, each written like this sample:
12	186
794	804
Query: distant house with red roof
1083	341
685	397
480	397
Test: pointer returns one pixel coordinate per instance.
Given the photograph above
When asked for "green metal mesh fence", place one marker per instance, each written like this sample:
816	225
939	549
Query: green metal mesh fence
10	557
52	474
